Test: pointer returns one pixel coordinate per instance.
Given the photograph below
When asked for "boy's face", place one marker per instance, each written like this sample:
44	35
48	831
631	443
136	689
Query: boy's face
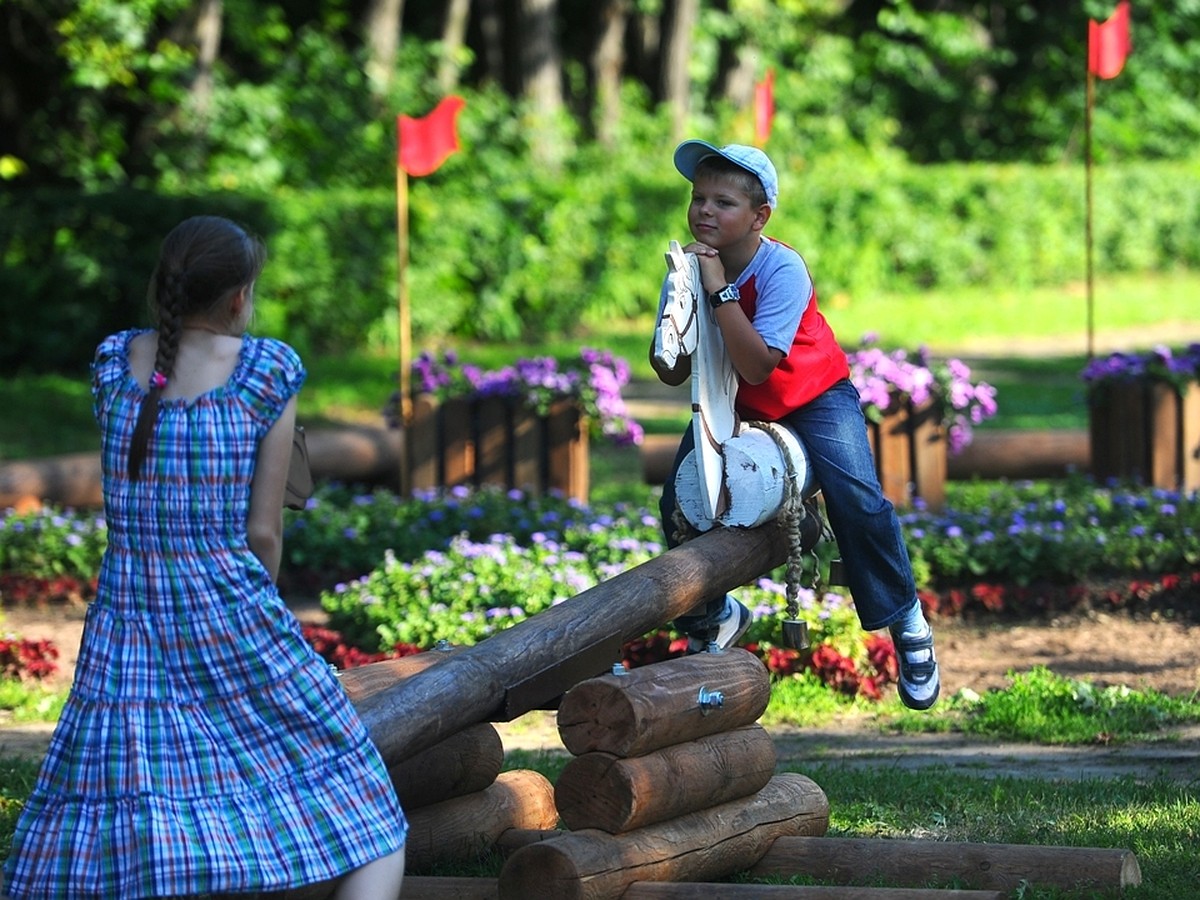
720	213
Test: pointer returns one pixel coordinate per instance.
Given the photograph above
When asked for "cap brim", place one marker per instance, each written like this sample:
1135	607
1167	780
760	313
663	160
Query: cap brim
688	156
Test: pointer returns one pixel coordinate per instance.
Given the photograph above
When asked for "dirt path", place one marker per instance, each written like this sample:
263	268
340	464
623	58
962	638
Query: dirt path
1104	649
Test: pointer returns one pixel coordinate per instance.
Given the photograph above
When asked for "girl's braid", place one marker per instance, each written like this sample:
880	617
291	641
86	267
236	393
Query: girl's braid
169	296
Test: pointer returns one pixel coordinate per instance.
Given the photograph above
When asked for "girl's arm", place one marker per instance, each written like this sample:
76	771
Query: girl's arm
264	525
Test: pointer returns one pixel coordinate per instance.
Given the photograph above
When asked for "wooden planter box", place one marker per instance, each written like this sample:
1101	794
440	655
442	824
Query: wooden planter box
910	454
497	442
1146	432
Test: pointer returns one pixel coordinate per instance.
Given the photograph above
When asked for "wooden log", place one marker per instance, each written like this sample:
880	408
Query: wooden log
1022	453
362	682
425	887
661	890
993	453
600	790
462	764
492	459
471	685
457	442
700	846
658	705
527	468
72	479
567	450
460	829
984	866
421	445
1190	438
355	453
516	838
929	455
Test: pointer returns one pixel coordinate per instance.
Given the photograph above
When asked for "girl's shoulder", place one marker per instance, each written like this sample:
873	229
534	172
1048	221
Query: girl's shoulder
271	373
110	364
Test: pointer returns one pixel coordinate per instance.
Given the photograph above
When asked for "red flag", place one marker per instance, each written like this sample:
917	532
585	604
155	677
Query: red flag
1108	43
423	144
764	107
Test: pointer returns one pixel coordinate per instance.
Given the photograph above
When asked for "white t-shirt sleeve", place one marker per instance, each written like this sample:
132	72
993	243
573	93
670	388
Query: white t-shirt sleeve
784	289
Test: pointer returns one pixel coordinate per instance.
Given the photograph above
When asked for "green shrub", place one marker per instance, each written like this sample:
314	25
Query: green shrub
502	248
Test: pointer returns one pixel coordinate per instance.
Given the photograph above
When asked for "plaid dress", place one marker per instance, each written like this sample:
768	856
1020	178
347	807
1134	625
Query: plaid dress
205	747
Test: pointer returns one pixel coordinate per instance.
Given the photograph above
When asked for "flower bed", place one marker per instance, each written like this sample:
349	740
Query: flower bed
918	409
397	575
1144	417
524	426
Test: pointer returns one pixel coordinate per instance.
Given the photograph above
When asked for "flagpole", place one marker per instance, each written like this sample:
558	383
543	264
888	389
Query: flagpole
403	320
1087	143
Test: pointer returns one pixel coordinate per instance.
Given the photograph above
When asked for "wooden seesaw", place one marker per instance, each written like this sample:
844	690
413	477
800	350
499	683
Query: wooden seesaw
672	785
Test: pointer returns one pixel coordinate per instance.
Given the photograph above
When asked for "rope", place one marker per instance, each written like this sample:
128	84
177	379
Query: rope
792	514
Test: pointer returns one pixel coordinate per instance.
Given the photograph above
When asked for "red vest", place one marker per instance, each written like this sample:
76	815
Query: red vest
814	363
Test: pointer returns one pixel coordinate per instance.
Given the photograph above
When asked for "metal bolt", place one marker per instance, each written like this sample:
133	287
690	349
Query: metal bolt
710	700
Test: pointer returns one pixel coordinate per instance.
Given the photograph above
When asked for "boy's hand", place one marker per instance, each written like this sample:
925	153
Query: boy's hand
712	270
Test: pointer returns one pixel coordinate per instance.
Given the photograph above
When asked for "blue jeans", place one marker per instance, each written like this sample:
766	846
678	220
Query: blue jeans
878	571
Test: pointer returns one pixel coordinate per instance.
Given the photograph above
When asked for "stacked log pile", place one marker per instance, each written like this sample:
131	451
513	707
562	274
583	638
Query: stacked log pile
457	800
671	780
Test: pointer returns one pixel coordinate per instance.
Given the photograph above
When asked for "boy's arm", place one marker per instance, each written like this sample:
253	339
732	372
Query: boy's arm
753	360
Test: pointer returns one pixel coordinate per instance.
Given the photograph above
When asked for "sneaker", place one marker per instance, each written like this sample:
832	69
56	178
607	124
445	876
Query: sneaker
728	630
919	683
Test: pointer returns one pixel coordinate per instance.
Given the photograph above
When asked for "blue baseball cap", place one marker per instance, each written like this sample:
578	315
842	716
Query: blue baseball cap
689	153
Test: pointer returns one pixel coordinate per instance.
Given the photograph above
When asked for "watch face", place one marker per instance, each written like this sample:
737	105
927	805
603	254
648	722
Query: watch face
727	294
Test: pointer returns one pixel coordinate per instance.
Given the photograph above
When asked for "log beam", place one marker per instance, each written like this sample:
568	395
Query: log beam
657	706
700	846
976	865
450	888
470	685
462	764
459	830
661	890
599	790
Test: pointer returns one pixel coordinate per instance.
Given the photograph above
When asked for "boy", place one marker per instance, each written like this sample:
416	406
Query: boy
792	370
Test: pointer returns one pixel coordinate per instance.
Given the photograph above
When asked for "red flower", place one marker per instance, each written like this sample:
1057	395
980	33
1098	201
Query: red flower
20	657
882	655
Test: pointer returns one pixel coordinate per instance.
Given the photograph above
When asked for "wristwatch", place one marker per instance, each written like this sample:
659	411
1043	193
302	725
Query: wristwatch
727	294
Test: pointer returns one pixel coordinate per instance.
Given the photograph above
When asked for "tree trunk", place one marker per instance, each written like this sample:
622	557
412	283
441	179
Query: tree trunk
458	13
491	26
541	78
208	40
381	27
608	61
676	55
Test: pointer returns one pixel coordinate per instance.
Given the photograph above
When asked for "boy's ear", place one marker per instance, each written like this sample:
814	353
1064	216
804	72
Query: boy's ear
762	216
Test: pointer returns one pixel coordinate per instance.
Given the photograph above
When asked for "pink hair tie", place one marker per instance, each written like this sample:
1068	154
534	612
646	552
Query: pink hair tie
158	380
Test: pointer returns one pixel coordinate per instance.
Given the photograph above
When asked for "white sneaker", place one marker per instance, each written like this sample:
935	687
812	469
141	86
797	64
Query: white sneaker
736	621
919	682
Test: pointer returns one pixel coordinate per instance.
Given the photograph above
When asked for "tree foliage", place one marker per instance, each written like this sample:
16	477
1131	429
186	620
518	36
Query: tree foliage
104	92
921	143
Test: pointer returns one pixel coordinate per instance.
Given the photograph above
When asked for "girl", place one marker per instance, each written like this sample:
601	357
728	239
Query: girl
204	748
